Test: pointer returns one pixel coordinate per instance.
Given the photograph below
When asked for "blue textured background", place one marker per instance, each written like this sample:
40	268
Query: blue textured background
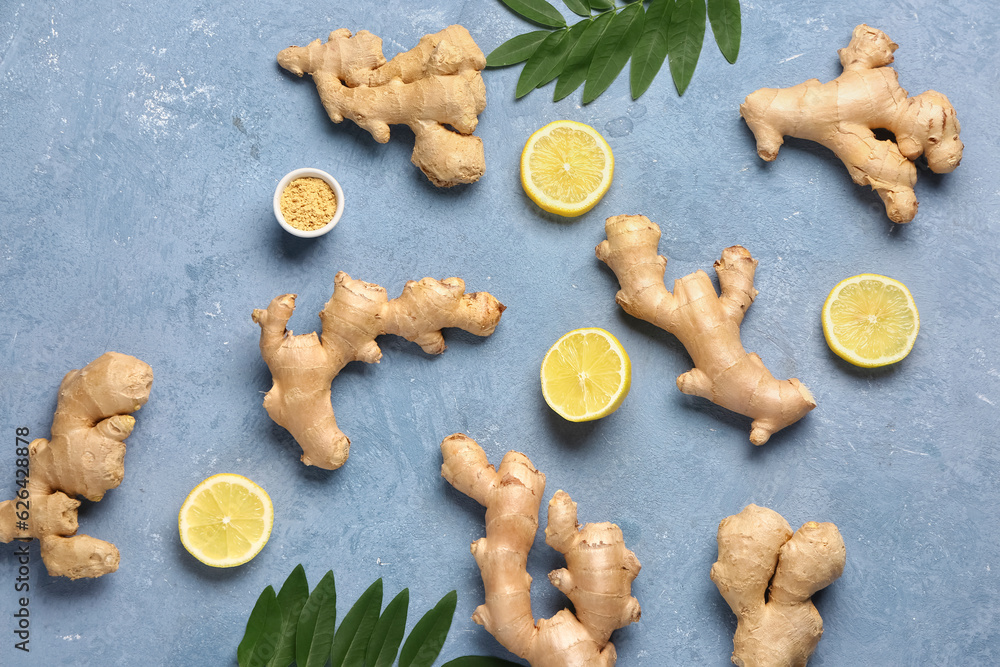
140	147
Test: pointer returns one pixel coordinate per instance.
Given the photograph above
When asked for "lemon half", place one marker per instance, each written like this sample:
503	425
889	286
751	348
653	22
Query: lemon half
226	520
870	320
586	375
566	167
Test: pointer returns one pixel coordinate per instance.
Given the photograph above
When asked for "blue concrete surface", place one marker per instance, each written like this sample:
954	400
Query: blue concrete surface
141	143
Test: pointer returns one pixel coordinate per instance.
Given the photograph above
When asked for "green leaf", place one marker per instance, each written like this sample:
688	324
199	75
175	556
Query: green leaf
262	633
540	63
726	25
572	38
574	71
292	596
651	49
314	633
613	50
427	637
516	49
687	32
537	11
388	634
602	4
580	7
355	630
480	661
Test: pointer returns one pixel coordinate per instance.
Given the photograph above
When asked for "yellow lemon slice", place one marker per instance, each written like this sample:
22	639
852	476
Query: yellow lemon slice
586	375
566	167
870	320
226	520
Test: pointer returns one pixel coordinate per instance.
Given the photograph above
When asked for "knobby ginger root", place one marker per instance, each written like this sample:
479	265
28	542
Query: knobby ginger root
437	83
303	367
841	115
597	578
85	457
756	547
707	325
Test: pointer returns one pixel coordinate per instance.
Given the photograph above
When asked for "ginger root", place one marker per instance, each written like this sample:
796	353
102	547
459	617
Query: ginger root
303	367
841	115
85	457
707	325
437	83
779	627
597	578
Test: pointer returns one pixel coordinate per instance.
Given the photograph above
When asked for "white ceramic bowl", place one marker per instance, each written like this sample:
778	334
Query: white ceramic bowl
308	173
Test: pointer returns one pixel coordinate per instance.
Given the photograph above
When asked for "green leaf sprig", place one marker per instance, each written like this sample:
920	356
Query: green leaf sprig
298	626
594	50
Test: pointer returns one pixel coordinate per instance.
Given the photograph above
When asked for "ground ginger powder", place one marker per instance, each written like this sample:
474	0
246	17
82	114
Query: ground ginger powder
308	203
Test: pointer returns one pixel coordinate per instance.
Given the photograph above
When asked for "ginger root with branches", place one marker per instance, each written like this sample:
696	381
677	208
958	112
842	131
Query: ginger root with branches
777	625
85	457
304	366
597	578
708	325
437	83
843	113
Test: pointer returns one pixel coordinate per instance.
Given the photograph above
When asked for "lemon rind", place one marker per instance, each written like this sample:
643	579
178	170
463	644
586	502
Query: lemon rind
849	355
257	546
623	388
552	205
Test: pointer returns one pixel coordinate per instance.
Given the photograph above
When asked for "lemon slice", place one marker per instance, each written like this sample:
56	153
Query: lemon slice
586	375
566	167
870	320
226	520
